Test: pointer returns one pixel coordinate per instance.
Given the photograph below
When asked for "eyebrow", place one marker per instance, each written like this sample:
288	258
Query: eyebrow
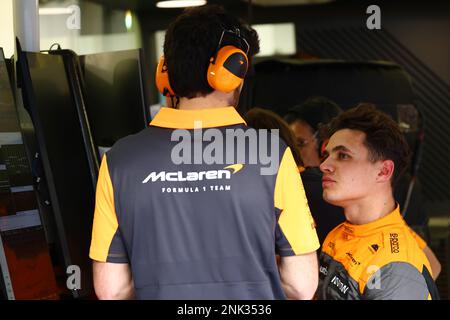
341	148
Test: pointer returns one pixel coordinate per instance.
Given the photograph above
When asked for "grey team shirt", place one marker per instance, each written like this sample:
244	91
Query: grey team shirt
189	237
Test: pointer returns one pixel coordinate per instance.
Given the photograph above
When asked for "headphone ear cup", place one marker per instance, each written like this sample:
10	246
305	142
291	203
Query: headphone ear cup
162	78
227	71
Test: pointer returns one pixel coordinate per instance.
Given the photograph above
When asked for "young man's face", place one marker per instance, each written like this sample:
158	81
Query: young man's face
348	174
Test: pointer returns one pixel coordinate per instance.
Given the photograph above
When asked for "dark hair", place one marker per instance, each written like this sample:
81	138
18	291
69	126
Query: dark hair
192	39
317	112
314	111
384	139
265	119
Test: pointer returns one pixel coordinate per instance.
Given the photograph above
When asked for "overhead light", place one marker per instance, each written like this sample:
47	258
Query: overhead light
54	11
180	3
128	19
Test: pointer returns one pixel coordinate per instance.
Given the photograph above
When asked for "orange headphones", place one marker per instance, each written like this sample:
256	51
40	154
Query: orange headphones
226	69
162	78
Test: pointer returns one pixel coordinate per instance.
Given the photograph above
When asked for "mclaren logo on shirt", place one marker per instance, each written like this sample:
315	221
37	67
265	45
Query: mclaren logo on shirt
177	176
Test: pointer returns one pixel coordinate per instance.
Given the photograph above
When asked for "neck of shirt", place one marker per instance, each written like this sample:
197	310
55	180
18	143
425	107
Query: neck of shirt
367	229
197	119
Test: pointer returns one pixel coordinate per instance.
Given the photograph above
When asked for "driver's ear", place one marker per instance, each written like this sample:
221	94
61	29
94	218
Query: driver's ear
386	171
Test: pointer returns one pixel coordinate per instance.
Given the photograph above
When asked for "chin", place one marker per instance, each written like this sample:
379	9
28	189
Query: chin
332	198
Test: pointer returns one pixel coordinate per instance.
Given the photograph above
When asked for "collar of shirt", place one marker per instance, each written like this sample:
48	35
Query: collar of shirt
367	229
193	119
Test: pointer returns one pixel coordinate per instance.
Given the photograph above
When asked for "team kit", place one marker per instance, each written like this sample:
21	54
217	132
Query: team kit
188	214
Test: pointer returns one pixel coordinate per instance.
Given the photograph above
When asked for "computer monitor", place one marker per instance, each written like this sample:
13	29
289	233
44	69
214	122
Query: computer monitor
115	94
75	80
52	106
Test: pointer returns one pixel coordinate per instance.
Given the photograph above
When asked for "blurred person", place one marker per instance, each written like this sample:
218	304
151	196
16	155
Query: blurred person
308	123
306	120
259	118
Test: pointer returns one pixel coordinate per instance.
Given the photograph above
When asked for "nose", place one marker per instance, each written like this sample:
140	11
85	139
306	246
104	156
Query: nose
326	166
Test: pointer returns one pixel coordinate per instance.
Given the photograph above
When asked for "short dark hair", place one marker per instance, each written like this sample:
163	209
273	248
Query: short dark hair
259	118
314	111
192	39
384	139
317	112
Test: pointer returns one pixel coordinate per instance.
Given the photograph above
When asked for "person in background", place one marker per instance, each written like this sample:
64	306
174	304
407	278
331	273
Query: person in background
307	121
373	255
259	118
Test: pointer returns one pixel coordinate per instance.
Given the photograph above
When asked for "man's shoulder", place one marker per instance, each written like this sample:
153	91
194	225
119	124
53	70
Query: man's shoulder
148	134
145	141
396	270
398	245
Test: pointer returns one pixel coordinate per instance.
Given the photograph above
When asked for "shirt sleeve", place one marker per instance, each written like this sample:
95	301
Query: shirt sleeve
296	231
107	243
396	281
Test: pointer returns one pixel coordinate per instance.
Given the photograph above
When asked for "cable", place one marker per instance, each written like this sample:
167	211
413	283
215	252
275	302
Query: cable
50	49
59	46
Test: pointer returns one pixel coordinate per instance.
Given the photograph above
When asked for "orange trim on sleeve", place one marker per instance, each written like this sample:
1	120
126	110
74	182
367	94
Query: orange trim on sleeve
105	219
295	219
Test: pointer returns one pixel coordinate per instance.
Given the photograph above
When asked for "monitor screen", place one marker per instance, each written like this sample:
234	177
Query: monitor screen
115	97
53	110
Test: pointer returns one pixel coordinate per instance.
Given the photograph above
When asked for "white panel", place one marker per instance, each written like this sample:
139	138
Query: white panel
7	27
159	43
21	189
276	39
53	29
23	219
7	138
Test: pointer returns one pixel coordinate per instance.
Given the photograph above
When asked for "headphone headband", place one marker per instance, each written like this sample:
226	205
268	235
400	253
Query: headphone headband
236	33
226	70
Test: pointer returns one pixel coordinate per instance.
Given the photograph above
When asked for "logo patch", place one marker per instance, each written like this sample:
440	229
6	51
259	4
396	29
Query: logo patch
179	176
352	259
374	248
395	248
341	285
235	167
